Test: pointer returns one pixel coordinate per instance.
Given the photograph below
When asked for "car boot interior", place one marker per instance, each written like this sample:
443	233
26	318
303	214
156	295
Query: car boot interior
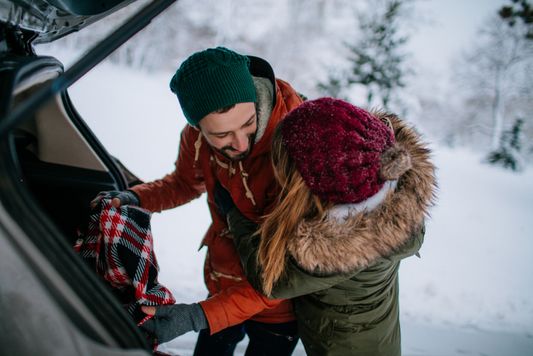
51	166
58	165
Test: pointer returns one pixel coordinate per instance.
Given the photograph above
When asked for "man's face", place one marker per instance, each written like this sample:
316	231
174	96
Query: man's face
231	133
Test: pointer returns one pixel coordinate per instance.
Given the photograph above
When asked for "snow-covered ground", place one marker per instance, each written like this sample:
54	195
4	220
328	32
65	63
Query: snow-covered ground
470	293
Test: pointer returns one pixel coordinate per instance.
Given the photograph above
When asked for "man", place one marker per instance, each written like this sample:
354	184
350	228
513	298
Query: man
232	104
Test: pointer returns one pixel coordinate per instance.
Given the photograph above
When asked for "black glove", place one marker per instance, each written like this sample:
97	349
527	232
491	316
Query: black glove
126	197
171	321
223	200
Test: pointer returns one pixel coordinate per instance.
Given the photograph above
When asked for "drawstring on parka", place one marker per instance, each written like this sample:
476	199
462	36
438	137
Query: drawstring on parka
197	145
244	176
229	167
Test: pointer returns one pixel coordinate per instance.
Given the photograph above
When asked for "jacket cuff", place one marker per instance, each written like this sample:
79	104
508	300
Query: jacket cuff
216	319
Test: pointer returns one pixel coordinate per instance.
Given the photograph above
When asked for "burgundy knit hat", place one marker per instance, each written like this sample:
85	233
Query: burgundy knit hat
337	149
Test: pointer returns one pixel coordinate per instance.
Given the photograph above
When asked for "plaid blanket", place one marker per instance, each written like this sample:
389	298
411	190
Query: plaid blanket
118	244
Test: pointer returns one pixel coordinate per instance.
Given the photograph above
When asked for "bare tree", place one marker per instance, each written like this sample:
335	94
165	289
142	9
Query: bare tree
494	70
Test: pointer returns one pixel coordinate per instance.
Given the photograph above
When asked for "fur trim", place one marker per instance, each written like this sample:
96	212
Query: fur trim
328	246
394	163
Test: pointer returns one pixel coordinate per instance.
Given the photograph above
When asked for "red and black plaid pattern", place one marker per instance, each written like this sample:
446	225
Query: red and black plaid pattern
118	244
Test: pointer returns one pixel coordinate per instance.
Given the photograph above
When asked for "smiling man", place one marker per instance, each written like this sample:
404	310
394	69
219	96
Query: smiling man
232	103
231	130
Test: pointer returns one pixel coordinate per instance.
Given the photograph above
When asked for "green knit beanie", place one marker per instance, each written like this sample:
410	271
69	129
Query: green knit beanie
211	80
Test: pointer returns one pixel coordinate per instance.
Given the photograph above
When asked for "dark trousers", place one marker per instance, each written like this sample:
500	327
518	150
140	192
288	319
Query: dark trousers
265	339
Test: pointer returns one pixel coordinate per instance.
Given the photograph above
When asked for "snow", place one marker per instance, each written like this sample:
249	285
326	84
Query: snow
473	270
470	292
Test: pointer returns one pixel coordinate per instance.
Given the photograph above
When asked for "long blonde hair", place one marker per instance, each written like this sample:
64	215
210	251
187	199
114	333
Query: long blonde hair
295	203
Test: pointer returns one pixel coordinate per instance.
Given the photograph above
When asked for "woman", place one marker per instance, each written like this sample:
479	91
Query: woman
356	188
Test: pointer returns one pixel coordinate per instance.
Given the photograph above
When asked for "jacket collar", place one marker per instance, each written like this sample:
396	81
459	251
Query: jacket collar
263	106
341	212
262	69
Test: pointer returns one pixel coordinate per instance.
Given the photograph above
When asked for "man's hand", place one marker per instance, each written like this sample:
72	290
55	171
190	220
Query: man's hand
119	198
223	200
171	321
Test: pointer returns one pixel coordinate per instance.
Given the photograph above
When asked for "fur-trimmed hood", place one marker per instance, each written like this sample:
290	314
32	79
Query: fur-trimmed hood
333	245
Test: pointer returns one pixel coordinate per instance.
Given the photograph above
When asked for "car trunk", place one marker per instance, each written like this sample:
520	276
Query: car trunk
51	166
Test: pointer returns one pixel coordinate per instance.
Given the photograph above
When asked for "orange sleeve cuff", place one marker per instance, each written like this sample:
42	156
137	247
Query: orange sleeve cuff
215	314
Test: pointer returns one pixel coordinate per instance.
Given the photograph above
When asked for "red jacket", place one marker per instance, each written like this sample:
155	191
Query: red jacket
253	188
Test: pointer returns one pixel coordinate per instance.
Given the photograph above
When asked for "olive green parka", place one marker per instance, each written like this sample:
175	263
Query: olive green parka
343	272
